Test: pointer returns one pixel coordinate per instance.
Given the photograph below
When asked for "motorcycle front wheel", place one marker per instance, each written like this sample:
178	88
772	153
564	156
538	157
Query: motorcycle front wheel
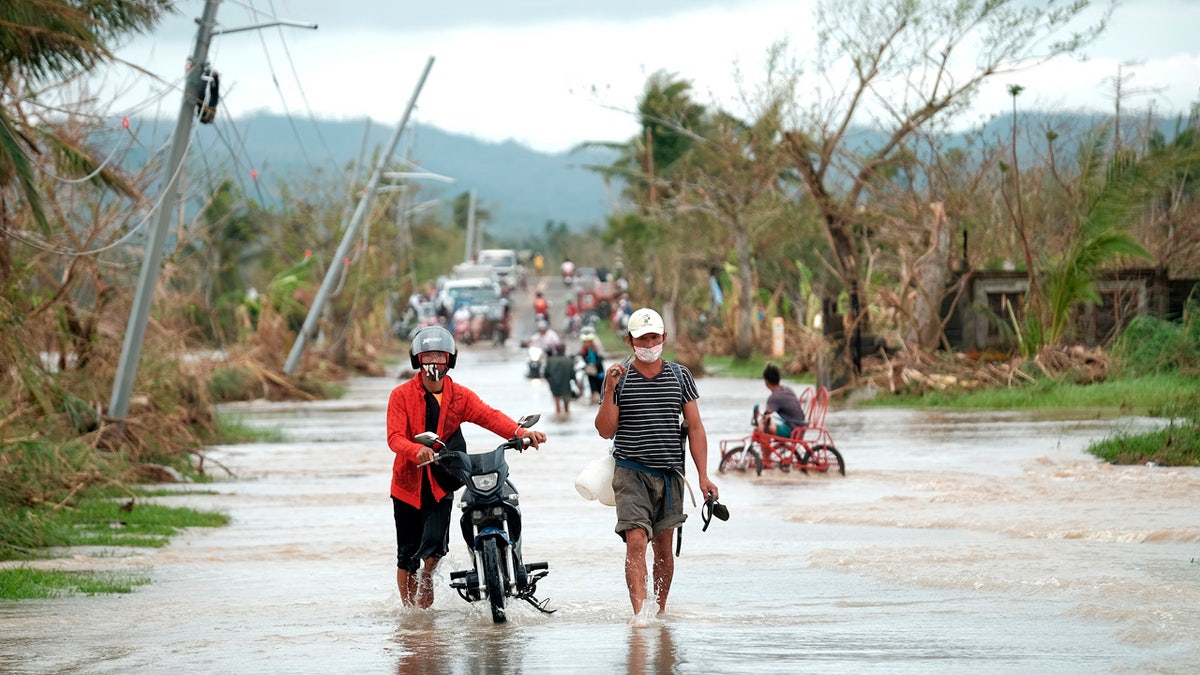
493	579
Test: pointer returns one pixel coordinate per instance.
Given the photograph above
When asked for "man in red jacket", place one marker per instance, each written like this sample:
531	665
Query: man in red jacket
422	496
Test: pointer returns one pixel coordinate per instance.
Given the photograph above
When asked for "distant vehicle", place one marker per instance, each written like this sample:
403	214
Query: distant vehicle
488	310
504	261
585	277
476	271
593	295
455	293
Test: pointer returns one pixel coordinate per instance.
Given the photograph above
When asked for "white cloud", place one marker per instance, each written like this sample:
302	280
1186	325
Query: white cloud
554	83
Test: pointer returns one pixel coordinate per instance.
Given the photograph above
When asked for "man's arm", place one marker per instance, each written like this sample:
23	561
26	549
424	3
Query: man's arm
607	415
698	446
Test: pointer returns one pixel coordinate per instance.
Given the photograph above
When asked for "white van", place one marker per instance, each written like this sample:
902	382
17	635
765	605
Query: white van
504	261
455	293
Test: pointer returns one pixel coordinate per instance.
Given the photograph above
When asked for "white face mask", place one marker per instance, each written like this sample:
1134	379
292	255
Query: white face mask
648	354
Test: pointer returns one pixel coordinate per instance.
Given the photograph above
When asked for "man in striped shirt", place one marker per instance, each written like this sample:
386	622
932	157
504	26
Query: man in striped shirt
641	409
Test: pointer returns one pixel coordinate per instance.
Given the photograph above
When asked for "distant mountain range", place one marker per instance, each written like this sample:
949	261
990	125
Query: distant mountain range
522	189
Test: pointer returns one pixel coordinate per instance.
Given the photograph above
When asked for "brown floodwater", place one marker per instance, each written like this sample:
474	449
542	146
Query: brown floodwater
988	542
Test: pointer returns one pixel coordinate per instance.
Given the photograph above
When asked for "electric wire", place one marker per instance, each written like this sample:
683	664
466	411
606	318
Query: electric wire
300	87
93	174
283	99
49	248
235	155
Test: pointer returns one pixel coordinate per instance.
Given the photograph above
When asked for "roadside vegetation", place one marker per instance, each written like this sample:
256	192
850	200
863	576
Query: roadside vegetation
789	207
1153	369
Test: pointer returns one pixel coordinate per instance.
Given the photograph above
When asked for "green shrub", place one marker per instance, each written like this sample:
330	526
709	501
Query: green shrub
1151	346
231	384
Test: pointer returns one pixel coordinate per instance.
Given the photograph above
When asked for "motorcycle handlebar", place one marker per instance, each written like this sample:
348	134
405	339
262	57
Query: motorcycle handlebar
519	443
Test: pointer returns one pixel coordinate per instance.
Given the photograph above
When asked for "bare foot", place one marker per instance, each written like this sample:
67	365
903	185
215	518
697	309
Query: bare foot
424	591
643	619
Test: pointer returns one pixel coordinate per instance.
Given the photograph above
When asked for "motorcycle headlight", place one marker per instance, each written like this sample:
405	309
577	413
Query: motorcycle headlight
485	482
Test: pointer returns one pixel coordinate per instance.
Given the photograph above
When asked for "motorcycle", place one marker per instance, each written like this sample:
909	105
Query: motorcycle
534	363
491	525
579	383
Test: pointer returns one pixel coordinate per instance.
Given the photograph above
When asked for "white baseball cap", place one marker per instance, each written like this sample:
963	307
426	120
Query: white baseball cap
645	320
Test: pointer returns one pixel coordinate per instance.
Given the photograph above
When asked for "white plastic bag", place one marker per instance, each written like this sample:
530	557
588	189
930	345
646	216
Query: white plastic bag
595	481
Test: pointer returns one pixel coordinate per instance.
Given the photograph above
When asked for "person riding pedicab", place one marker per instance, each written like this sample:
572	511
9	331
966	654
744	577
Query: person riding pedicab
783	412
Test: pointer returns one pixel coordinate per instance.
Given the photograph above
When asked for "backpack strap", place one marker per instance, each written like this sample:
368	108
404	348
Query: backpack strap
677	371
674	370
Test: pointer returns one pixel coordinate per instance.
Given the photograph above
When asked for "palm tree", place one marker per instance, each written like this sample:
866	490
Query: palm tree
648	169
47	42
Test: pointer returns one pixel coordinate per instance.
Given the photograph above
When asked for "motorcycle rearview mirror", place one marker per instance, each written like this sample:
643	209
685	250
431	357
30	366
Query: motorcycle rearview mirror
529	420
427	438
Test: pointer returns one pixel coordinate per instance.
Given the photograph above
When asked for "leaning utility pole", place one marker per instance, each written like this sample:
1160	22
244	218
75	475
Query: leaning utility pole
331	275
135	333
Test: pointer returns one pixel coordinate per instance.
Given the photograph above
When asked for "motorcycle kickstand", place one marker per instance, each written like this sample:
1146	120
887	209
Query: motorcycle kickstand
539	606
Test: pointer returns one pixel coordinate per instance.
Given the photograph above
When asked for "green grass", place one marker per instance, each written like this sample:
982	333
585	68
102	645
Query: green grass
106	523
1172	396
23	583
33	533
1176	445
1156	395
233	430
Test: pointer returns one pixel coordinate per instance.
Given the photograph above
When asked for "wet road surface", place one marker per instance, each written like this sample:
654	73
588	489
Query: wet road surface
987	542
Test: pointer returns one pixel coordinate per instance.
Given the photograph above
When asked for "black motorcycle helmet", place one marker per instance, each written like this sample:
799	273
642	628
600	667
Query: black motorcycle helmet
433	339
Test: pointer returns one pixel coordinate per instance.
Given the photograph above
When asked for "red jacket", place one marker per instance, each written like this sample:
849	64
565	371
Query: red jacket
406	419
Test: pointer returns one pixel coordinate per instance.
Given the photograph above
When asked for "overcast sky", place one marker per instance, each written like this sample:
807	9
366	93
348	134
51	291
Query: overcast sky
554	73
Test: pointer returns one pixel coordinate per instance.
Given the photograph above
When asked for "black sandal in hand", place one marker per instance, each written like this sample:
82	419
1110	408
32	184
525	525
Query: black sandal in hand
712	507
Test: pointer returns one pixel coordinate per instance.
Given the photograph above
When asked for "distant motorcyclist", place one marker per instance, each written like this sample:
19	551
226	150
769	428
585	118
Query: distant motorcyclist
574	322
541	307
545	337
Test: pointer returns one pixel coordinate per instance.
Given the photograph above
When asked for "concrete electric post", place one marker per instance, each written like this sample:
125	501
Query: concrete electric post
331	275
135	332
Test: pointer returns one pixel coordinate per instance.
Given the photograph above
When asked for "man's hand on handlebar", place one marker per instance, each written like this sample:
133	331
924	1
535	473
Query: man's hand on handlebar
536	438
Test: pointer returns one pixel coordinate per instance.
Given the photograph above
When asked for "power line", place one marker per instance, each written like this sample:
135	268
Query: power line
121	240
303	96
283	101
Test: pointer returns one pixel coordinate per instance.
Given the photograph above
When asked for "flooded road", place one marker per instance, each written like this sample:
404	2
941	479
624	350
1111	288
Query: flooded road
987	542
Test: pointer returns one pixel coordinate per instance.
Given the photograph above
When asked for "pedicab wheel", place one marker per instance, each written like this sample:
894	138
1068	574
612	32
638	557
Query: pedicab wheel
821	458
836	457
741	459
493	580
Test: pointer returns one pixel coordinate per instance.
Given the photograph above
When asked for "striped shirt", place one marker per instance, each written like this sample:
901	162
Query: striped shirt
650	414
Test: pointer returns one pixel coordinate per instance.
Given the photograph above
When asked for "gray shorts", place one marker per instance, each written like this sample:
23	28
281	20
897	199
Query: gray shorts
648	502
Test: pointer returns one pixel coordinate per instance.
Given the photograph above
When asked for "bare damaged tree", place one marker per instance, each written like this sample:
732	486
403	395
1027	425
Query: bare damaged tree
904	66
